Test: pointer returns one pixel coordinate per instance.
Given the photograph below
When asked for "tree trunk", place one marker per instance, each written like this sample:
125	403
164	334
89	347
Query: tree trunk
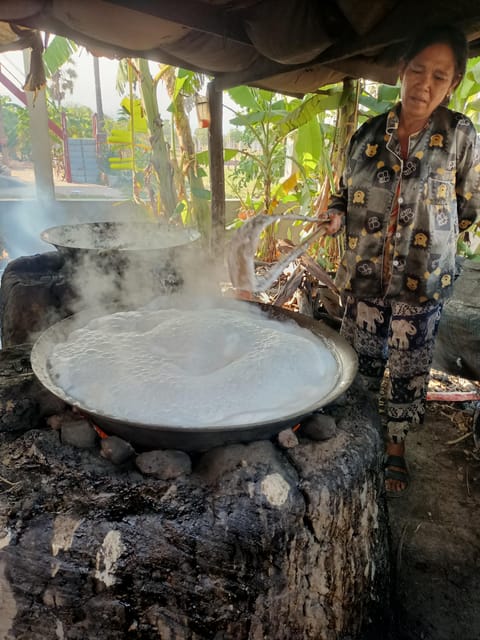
346	124
200	206
160	154
41	149
217	169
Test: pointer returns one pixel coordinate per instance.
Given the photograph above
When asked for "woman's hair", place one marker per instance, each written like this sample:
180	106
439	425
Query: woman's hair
440	34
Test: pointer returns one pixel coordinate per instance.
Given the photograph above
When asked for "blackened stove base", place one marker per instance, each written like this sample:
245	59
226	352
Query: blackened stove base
257	542
38	291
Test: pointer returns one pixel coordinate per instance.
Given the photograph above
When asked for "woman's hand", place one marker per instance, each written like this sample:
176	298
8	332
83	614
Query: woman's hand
333	222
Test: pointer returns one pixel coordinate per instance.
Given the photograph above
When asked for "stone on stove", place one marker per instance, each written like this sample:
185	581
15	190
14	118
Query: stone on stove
78	433
165	465
116	449
34	295
287	439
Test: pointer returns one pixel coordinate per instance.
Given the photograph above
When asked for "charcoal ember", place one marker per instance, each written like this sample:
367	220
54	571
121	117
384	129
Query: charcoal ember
165	465
116	449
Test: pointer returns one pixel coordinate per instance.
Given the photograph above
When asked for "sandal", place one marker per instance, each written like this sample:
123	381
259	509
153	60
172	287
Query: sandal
400	473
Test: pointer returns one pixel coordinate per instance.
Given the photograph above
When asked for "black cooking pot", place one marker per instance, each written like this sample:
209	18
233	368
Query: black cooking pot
119	242
194	438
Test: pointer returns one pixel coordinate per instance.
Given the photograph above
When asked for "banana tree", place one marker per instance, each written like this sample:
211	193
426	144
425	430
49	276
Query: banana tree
133	73
284	147
181	186
182	87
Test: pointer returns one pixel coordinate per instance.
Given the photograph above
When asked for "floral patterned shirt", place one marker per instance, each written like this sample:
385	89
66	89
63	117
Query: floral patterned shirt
438	189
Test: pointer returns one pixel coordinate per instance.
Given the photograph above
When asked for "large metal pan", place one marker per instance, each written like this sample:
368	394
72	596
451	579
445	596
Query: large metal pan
120	239
194	438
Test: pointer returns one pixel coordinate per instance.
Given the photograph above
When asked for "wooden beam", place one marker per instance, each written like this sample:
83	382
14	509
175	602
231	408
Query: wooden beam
41	150
217	169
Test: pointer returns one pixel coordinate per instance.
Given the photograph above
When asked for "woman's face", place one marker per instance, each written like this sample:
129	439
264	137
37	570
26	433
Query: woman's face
426	80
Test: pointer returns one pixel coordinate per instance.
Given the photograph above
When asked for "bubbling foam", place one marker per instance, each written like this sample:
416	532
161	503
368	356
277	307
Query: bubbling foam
194	367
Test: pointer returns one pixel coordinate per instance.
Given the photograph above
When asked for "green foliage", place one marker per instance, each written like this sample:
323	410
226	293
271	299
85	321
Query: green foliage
375	99
17	129
468	244
79	121
280	137
58	52
284	152
466	97
307	110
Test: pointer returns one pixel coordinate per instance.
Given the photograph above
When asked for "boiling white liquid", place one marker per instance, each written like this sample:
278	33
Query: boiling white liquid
194	367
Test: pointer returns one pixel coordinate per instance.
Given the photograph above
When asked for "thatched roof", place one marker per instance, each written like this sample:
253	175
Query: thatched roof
292	47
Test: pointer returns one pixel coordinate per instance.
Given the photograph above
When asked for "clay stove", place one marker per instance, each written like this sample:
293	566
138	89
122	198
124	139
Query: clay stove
274	539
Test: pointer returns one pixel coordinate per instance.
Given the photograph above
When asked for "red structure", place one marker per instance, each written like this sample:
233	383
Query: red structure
54	128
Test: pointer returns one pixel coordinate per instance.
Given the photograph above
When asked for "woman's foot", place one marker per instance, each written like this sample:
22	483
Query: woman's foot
397	478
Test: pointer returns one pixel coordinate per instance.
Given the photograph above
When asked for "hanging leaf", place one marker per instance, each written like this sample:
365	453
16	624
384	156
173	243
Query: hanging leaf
474	105
121	81
179	84
202	157
308	142
203	194
287	185
372	105
388	93
59	51
244	97
256	118
309	109
474	69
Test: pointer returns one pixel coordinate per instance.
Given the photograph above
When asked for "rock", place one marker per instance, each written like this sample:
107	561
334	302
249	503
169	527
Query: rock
287	439
116	449
165	465
319	426
78	433
55	422
34	294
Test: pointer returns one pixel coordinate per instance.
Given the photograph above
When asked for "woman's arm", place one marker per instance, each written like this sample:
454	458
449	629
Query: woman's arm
468	180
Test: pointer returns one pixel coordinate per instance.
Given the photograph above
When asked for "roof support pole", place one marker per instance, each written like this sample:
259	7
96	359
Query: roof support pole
41	151
217	169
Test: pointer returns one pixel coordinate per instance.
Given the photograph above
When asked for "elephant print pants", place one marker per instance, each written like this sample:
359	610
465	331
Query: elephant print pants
402	337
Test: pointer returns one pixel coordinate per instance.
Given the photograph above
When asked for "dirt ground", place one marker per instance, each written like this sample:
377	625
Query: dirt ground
19	182
435	530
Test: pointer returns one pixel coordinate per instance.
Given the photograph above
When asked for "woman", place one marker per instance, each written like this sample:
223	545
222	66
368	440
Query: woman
410	184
